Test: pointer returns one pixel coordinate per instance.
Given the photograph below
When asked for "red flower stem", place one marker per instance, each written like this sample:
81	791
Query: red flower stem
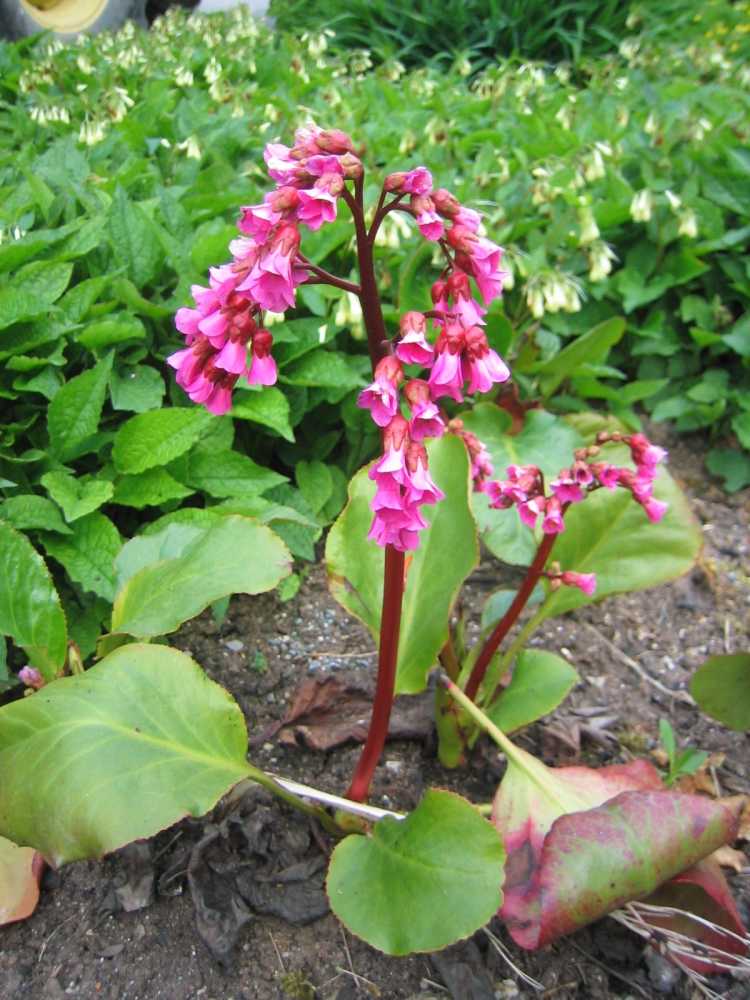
393	575
325	277
381	211
390	624
377	338
509	618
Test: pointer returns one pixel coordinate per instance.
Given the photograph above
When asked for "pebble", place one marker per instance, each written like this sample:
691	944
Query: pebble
235	645
664	975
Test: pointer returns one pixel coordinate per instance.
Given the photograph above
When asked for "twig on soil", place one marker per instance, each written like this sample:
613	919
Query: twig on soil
48	939
609	970
503	952
636	668
278	953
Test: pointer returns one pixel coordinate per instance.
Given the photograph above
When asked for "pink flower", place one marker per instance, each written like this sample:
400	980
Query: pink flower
413	348
446	377
470	312
318	203
272	281
480	257
469	218
417	181
655	509
281	167
381	396
258	220
481	463
426	420
262	369
606	474
439	295
31	677
552	523
429	222
584	581
645	455
482	366
451	208
420	488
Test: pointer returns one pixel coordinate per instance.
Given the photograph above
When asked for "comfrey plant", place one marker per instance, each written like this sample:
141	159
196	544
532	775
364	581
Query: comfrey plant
397	557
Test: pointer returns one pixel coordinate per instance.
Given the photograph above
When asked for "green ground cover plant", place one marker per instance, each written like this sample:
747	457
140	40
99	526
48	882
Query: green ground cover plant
619	190
557	848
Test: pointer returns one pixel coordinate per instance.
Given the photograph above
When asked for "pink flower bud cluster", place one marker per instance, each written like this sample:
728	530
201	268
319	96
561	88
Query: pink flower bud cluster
223	333
585	582
481	463
524	487
460	358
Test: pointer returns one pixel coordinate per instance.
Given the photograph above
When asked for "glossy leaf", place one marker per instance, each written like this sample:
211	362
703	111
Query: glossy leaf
20	871
144	727
234	555
138	388
721	686
446	555
591	347
420	883
540	682
148	489
156	437
133	239
30	611
88	553
268	407
315	483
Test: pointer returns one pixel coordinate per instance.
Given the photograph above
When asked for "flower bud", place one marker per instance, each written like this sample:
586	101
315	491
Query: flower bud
446	203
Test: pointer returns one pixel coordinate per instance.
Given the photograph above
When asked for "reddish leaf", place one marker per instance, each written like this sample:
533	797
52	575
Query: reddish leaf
20	871
703	891
583	842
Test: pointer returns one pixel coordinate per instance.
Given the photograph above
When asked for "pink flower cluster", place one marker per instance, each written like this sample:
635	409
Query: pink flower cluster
524	489
265	270
460	356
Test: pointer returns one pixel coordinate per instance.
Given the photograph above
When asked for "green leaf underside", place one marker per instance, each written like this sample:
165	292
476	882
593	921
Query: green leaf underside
421	883
232	555
721	686
541	681
30	610
95	761
447	553
20	870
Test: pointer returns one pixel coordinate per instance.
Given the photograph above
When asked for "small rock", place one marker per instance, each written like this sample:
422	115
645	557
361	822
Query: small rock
664	975
235	645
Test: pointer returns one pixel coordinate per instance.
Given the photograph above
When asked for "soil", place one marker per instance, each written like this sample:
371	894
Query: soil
81	943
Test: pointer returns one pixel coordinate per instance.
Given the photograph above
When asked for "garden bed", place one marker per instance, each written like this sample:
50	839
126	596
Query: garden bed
631	651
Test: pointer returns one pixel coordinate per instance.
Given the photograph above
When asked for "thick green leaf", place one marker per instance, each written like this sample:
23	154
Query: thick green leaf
447	553
315	483
420	883
721	686
327	369
541	681
32	511
77	497
110	331
30	611
88	554
608	534
134	241
139	388
44	280
593	346
268	406
732	465
156	437
234	555
95	761
148	489
74	413
20	871
229	474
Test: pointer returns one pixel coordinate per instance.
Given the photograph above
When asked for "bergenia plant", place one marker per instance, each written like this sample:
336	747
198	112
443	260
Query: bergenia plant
397	557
